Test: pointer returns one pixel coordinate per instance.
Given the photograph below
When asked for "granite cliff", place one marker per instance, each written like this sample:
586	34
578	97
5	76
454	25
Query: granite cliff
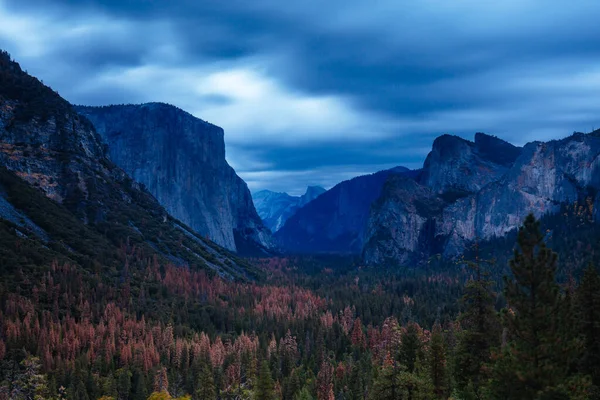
61	192
180	159
481	189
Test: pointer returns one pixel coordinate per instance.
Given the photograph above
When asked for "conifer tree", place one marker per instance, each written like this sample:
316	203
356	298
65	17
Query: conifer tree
480	332
303	394
436	359
588	312
31	384
388	383
205	383
534	364
410	346
264	388
123	383
325	382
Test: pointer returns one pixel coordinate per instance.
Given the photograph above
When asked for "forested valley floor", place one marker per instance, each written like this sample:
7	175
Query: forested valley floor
315	328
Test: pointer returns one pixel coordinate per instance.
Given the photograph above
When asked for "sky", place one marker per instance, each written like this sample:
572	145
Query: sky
314	92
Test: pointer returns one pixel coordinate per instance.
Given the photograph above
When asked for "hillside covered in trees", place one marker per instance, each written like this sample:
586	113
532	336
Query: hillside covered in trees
317	328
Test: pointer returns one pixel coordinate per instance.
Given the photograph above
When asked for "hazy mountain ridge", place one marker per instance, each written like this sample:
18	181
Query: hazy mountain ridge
336	220
275	208
466	190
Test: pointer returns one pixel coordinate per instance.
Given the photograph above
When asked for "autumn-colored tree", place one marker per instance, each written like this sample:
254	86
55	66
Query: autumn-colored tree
357	335
161	382
325	382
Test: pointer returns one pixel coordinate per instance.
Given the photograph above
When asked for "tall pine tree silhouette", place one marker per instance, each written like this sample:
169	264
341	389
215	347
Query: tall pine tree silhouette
535	362
480	331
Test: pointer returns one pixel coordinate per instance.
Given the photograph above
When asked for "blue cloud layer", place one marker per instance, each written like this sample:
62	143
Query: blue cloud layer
314	92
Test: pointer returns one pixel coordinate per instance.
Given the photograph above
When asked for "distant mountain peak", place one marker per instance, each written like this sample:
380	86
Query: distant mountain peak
275	208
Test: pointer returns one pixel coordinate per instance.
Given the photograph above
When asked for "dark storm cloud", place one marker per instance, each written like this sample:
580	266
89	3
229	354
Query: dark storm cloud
312	92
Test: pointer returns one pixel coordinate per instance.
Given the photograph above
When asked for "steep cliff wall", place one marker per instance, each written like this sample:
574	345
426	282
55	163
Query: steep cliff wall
181	160
58	184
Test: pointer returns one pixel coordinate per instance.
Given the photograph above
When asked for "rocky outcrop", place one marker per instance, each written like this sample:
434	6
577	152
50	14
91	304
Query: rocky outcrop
181	161
456	167
57	182
401	222
336	220
275	208
499	185
544	176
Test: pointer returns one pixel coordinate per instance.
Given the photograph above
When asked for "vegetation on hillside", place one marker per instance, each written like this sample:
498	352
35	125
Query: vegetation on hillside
317	328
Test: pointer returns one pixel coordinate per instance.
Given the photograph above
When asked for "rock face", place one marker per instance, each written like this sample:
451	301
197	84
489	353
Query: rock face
275	208
181	161
401	222
336	220
544	176
482	189
456	166
55	173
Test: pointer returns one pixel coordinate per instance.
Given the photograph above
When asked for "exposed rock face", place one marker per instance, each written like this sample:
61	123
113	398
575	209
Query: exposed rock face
456	166
276	208
500	185
336	220
544	176
181	160
43	140
401	222
57	152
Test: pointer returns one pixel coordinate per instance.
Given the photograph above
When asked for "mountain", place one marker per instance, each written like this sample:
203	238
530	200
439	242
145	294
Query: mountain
180	159
274	208
456	166
401	222
482	189
64	199
545	176
336	220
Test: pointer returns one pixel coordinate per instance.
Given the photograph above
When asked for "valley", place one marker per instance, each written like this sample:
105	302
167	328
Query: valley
136	264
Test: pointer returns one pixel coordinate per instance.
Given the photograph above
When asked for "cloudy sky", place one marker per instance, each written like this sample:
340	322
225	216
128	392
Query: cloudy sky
314	92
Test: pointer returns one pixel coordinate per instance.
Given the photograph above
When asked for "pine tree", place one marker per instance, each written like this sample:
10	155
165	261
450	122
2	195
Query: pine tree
123	384
436	359
394	382
161	381
410	346
303	394
31	384
205	383
388	384
480	333
588	312
264	388
325	382
140	389
534	364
